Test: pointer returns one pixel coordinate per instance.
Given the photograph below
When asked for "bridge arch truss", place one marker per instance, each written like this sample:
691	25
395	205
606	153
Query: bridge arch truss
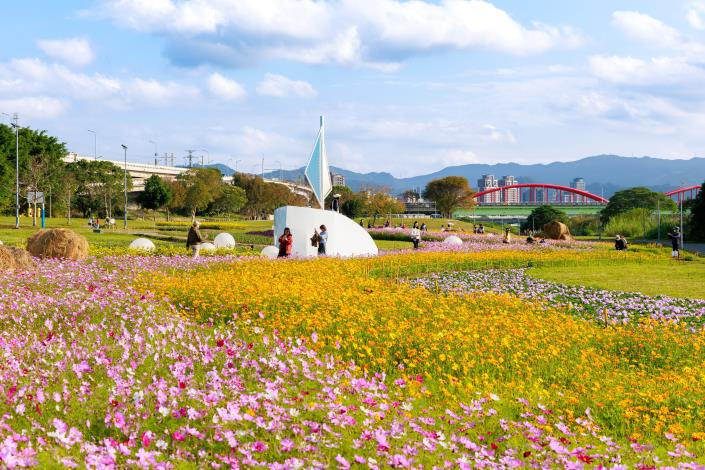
538	194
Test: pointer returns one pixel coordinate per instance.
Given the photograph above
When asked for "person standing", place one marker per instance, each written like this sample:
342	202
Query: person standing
507	235
322	240
416	235
286	242
194	239
675	243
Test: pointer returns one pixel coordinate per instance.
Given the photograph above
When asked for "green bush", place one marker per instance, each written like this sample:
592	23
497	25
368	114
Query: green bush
638	223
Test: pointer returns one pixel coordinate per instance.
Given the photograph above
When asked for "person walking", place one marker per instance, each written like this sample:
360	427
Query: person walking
675	237
322	240
424	227
194	238
286	242
416	235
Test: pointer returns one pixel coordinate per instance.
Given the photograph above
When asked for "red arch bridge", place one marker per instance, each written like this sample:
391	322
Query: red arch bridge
537	194
684	193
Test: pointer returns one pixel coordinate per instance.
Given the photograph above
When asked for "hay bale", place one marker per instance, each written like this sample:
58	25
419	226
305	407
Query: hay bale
23	260
556	230
7	260
58	243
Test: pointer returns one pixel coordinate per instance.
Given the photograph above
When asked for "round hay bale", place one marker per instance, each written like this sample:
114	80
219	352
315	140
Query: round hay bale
207	246
270	252
453	240
556	230
144	244
58	243
224	240
7	260
23	260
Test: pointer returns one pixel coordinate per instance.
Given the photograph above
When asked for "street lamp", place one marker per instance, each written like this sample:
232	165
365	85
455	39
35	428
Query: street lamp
124	147
95	144
15	117
156	152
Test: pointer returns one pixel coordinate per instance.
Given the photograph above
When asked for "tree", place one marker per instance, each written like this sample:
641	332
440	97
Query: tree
410	195
178	196
263	198
203	186
543	215
345	194
697	216
449	194
99	186
69	187
231	200
40	163
380	204
156	194
353	207
635	198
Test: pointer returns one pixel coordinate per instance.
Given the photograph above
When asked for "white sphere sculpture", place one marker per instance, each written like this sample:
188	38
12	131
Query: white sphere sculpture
453	240
144	244
224	240
207	246
270	252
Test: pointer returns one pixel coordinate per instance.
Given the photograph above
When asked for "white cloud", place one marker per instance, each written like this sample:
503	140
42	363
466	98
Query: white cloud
645	28
34	107
375	33
493	134
72	51
30	78
225	88
696	15
634	71
279	85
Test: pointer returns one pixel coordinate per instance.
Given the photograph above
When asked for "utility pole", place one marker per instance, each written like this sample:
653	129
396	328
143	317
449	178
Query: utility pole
190	158
262	166
156	152
16	124
124	147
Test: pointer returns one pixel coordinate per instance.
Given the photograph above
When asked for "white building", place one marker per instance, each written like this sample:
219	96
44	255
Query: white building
510	196
485	183
578	183
338	180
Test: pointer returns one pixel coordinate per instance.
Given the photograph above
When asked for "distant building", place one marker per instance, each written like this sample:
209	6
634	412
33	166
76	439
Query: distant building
485	183
510	196
338	180
578	183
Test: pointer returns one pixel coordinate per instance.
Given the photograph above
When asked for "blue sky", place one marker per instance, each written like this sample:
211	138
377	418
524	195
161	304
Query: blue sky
407	87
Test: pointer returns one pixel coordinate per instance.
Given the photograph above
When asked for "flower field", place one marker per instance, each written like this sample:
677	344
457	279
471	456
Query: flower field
174	362
602	305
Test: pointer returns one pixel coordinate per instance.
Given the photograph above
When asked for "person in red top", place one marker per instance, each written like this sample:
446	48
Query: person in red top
285	243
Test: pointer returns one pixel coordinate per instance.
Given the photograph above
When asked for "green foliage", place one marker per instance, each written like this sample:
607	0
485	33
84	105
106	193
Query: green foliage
381	204
635	198
156	193
639	223
449	193
202	187
40	161
99	186
262	197
230	201
584	225
543	215
696	221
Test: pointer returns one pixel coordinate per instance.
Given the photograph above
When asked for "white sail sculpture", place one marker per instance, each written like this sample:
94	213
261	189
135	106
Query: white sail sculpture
345	237
317	171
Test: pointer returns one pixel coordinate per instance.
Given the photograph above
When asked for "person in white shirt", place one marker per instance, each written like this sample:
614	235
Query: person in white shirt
416	235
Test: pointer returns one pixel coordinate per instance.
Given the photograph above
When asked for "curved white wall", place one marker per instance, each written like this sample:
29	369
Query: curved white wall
345	237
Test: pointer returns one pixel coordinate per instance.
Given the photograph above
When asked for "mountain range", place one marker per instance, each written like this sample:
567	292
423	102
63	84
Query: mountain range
603	174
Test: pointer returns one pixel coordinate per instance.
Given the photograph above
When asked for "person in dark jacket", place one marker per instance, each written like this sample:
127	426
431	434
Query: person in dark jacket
322	240
194	238
675	237
286	242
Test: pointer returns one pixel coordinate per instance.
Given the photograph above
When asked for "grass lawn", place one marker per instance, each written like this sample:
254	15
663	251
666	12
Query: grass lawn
391	245
679	279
